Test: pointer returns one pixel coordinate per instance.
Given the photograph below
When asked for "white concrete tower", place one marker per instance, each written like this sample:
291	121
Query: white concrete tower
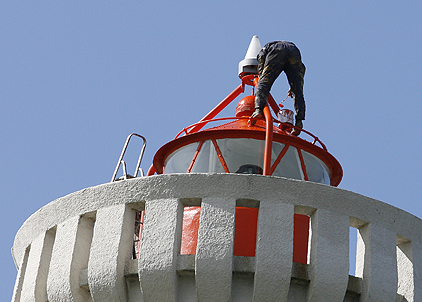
234	212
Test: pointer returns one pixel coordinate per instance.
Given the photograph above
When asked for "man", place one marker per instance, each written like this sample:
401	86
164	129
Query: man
274	58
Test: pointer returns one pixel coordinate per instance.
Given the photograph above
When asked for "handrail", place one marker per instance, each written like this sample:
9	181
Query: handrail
151	170
186	131
268	141
121	161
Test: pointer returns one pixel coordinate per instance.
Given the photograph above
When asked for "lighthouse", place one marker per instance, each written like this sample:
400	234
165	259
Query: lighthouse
232	209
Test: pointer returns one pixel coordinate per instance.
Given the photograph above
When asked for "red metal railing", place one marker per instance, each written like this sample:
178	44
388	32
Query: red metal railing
203	123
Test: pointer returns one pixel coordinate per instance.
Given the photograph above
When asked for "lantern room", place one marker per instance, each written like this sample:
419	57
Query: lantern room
242	144
239	147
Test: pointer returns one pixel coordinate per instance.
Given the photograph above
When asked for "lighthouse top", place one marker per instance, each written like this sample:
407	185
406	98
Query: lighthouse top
247	145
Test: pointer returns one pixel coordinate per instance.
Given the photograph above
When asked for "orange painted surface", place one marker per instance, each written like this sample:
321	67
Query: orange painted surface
190	230
300	238
245	233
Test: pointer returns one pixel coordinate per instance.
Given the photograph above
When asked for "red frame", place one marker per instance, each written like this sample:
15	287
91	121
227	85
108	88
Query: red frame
242	127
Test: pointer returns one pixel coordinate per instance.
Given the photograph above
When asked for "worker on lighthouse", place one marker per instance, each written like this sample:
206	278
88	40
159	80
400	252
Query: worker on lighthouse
274	58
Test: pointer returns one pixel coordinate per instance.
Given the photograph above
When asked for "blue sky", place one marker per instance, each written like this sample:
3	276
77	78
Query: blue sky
78	76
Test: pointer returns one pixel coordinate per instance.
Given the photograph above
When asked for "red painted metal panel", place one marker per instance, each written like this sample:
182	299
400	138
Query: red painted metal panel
300	238
245	231
190	230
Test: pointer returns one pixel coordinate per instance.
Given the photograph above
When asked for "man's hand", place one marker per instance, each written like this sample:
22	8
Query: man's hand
290	94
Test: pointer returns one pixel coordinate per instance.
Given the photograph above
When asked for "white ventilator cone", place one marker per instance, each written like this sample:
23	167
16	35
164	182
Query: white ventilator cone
250	57
254	48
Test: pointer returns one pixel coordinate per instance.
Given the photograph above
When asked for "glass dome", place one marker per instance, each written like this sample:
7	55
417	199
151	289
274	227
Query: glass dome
246	155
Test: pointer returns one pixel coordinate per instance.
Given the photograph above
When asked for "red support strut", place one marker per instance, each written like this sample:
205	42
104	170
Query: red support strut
217	109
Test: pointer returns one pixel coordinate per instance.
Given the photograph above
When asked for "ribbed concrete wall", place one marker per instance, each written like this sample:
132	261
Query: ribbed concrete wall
79	247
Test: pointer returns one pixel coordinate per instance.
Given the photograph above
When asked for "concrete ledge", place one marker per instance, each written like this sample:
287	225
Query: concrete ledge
300	272
186	266
83	279
131	268
243	264
354	286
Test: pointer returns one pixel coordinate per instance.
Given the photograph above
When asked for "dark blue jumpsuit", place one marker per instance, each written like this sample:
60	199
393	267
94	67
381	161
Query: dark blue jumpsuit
274	58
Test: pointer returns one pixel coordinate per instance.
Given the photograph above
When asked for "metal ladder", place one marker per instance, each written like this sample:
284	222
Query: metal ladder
121	161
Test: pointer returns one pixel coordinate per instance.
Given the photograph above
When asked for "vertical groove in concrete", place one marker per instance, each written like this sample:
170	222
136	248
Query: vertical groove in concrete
376	263
34	286
21	275
159	248
111	246
274	253
214	254
329	261
405	271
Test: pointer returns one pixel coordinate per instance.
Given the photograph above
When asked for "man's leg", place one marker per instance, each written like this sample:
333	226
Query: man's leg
269	68
295	75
